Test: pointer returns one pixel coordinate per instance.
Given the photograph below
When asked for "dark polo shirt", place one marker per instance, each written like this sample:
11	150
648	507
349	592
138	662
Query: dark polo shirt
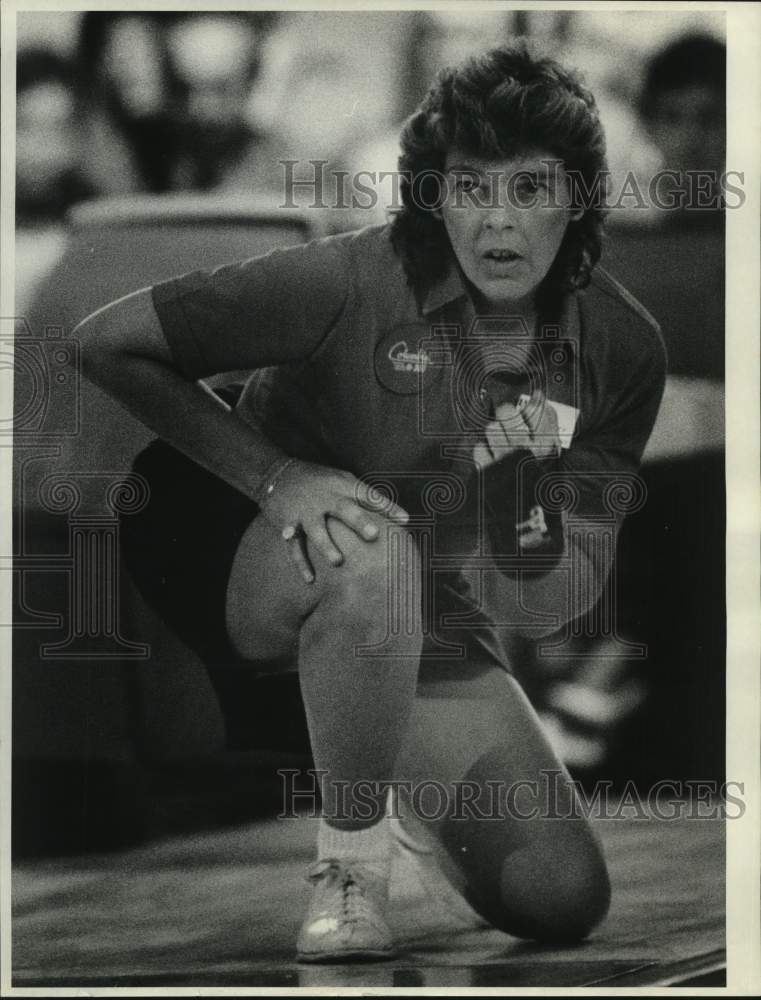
359	371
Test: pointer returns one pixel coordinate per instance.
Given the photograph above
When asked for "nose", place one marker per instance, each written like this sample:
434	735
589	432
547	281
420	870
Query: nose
499	219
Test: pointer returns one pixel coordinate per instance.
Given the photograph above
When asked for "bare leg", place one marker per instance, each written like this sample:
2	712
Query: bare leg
357	706
544	877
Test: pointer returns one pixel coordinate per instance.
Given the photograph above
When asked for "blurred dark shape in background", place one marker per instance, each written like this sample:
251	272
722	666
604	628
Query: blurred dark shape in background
166	96
612	715
49	178
683	103
321	91
103	737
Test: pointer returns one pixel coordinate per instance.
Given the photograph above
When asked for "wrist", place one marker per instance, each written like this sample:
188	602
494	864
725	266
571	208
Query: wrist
268	484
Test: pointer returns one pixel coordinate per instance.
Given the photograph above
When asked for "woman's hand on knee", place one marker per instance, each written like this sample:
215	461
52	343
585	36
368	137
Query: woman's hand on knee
303	498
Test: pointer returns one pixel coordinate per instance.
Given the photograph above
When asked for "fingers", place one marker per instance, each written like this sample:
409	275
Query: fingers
499	441
319	536
357	519
297	551
373	499
483	455
396	513
301	511
297	540
531	425
542	421
508	433
533	410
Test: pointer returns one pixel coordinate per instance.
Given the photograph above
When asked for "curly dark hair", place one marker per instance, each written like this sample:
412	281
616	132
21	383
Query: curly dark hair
494	106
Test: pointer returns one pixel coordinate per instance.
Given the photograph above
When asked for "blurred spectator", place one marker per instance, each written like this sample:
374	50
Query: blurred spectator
48	175
123	90
679	275
321	90
167	95
683	103
212	61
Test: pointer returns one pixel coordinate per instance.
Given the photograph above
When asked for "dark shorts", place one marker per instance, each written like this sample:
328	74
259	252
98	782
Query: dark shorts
180	548
179	551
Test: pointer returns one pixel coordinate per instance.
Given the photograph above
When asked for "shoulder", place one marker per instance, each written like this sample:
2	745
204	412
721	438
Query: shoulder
361	254
615	321
369	248
372	268
368	243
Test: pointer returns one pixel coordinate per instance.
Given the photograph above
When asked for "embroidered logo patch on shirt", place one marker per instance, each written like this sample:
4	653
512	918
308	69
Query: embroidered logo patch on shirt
404	358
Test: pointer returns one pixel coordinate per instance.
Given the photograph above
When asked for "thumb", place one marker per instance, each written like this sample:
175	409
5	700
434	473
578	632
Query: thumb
532	409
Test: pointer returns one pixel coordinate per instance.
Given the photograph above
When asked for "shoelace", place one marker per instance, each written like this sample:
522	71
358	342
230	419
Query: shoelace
350	903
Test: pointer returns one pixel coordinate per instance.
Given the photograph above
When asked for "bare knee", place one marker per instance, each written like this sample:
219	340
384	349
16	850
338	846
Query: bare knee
371	571
559	906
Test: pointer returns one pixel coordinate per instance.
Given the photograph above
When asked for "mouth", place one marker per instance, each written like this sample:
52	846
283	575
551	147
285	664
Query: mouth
503	256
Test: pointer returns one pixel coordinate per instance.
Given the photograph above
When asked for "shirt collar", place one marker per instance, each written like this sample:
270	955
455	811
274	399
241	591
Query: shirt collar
449	287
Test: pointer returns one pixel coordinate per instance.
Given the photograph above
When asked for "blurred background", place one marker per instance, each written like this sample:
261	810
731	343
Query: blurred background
150	143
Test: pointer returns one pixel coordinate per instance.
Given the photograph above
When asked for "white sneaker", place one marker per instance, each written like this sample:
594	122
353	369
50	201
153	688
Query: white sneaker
345	918
416	872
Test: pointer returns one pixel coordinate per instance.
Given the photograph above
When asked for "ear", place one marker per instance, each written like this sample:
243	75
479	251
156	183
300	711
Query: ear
576	214
436	213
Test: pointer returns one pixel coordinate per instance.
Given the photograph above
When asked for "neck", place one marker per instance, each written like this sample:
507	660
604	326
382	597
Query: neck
524	309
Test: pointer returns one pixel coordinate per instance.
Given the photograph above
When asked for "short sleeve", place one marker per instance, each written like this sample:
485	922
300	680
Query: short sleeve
264	311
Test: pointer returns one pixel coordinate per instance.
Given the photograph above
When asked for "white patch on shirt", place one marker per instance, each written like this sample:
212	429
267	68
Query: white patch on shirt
533	532
404	360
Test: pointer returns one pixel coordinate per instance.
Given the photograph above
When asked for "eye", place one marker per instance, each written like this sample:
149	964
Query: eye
528	184
466	181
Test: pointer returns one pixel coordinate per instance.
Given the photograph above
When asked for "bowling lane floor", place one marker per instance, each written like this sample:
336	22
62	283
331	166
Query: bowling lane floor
222	908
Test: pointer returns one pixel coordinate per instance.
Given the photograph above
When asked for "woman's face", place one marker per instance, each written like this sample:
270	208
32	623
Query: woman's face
506	220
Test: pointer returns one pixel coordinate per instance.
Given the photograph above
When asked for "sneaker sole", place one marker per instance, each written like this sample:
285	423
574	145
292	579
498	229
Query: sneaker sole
359	955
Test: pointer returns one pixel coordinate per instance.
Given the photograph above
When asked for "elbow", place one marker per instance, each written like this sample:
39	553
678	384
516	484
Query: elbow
98	350
111	338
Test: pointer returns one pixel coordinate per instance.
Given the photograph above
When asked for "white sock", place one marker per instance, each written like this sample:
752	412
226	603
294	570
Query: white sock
371	846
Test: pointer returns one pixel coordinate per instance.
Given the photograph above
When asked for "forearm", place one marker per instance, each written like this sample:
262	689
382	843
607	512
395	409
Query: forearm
184	413
192	419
